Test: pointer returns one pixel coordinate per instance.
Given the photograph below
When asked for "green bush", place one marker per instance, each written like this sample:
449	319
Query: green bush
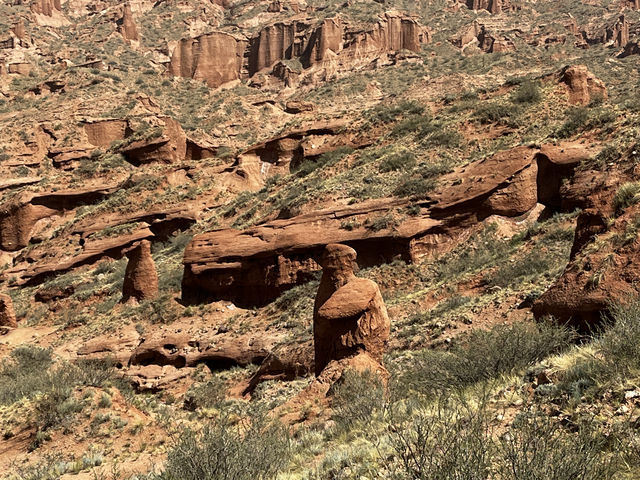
403	160
456	441
355	397
536	443
496	113
628	194
449	443
252	450
527	92
585	118
481	355
326	159
414	186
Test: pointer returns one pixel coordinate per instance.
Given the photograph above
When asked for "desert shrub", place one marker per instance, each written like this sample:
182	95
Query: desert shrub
410	186
534	263
527	92
495	113
442	137
453	440
628	194
30	371
381	222
24	374
209	394
584	118
388	114
421	124
448	442
481	250
536	443
615	355
252	450
481	355
326	159
403	160
355	397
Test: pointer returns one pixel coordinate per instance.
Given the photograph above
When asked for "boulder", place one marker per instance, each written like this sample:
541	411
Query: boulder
7	314
582	85
140	278
349	313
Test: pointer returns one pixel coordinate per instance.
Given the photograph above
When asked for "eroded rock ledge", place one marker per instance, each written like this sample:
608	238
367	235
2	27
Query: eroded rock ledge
255	266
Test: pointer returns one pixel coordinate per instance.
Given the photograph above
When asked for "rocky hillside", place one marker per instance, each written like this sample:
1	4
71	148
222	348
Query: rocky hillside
314	239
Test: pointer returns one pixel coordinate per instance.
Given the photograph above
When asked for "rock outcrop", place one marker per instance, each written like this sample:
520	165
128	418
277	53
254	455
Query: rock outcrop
140	278
127	25
281	154
19	216
493	6
218	58
632	48
479	36
349	316
102	133
7	314
582	85
46	7
215	58
49	13
169	147
255	266
183	350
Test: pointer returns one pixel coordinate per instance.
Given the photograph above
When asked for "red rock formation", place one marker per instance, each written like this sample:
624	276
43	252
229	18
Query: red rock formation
296	107
632	48
127	25
493	6
183	350
19	30
255	266
102	133
582	85
476	34
19	216
46	7
7	314
329	36
619	33
281	154
273	43
140	278
216	58
392	33
170	147
349	313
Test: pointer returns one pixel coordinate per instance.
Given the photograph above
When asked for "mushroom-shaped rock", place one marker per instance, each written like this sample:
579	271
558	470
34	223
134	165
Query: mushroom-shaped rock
141	278
349	313
7	314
